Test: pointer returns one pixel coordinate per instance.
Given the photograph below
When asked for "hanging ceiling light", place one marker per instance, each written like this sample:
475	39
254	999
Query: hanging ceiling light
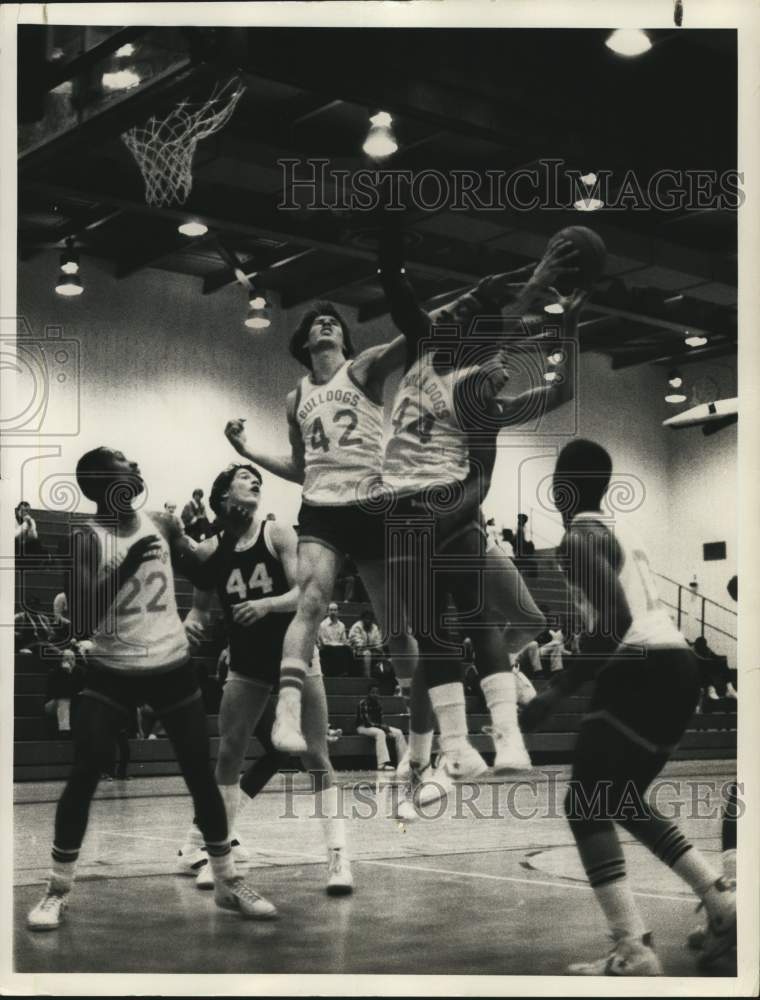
257	318
120	79
588	204
193	228
556	358
380	141
675	393
551	376
695	339
70	259
629	42
69	283
554	308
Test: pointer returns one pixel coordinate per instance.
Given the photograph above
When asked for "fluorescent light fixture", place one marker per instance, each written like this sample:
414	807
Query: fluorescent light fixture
122	79
588	204
69	285
380	141
629	42
193	228
695	340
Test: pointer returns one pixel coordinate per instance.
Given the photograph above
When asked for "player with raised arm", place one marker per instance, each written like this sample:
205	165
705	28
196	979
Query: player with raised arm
335	420
438	462
646	688
123	600
255	583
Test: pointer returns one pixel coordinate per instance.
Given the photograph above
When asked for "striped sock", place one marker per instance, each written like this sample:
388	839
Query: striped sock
292	674
63	868
221	861
603	861
676	851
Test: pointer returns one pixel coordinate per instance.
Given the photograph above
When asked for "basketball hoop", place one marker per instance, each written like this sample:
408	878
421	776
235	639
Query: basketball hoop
164	148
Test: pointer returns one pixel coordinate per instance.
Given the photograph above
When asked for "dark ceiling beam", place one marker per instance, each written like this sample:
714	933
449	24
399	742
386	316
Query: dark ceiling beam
111	121
327	286
656	355
32	241
60	72
261	266
154	246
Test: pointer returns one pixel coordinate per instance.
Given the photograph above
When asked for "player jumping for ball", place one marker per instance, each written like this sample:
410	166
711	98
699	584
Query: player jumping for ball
123	600
335	420
438	463
256	586
645	691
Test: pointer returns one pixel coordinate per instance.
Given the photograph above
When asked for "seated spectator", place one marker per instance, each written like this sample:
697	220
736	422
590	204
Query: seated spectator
195	518
65	680
369	722
171	510
494	537
32	629
508	541
366	641
553	650
715	676
382	671
61	609
334	650
27	542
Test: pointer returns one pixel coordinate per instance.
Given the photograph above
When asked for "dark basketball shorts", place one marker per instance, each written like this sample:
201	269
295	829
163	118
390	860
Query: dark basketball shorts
348	529
163	691
640	709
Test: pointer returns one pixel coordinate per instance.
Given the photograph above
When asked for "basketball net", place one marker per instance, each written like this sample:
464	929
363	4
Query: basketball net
164	148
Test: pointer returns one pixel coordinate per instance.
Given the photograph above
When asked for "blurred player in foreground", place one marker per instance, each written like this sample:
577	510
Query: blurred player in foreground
645	693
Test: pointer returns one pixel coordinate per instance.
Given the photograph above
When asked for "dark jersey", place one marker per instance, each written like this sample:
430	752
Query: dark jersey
255	572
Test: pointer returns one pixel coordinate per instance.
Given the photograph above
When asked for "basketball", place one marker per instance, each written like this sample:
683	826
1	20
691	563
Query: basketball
592	255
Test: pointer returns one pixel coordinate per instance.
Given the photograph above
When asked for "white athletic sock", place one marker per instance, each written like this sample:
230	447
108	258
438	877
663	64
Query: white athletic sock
222	864
500	693
619	907
63	869
729	864
449	707
292	675
333	824
420	748
694	869
231	797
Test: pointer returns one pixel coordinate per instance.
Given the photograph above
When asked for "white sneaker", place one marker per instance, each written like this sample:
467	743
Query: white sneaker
403	769
48	914
205	879
427	785
511	754
712	694
463	764
191	858
286	731
629	957
731	691
240	854
237	894
340	881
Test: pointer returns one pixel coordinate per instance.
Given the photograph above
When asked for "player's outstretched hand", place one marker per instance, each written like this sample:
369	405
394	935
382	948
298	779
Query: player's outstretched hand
195	633
235	434
538	709
143	549
249	612
235	520
559	261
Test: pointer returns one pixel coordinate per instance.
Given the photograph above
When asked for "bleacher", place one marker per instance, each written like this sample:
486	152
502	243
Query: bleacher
40	754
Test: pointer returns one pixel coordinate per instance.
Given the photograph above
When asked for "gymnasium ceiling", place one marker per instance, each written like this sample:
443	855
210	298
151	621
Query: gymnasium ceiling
475	100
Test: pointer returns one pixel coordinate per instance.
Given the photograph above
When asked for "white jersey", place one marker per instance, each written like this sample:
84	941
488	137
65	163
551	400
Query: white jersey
651	625
342	432
427	444
142	630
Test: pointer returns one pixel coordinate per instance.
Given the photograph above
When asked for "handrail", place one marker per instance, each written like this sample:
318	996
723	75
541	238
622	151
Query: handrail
702	597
